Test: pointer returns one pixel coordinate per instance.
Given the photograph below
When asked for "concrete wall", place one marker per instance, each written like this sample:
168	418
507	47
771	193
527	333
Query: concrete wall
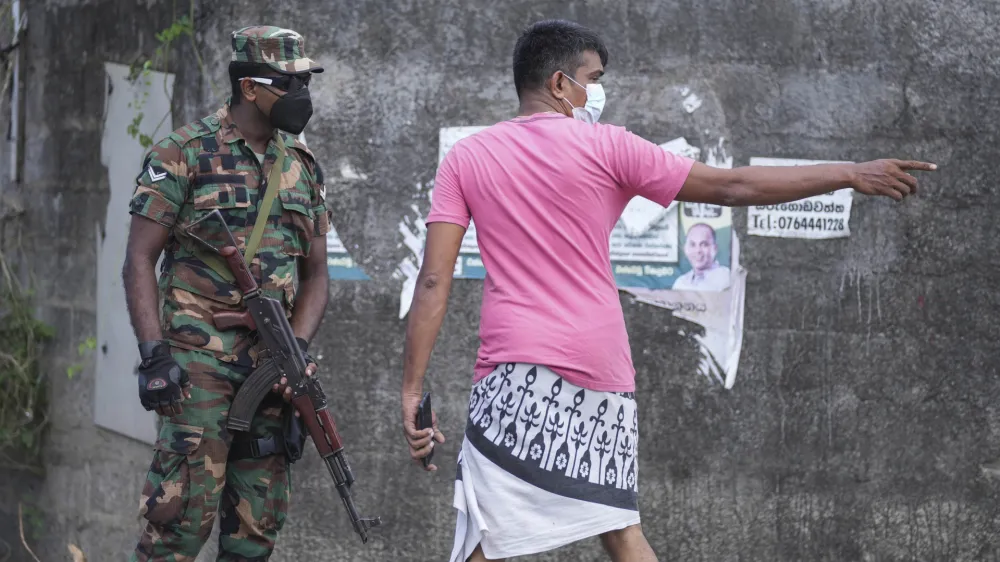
863	422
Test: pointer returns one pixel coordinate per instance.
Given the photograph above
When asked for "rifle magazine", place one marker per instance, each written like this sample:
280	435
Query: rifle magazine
250	395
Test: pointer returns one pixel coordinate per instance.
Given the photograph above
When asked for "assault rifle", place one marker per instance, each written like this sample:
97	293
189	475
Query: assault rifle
284	358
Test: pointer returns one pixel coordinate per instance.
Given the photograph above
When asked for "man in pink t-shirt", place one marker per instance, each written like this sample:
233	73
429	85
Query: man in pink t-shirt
549	452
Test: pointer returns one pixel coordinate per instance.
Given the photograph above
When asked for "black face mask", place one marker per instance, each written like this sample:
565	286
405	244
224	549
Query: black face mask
291	112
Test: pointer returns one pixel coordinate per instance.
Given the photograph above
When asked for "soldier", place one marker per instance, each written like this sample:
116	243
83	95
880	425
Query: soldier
190	371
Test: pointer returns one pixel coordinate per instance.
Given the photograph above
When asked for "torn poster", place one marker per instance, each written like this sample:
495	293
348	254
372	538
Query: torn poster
339	263
646	242
819	217
469	265
720	313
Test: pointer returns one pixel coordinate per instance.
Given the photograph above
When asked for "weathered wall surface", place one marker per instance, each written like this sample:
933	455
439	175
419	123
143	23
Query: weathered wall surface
863	421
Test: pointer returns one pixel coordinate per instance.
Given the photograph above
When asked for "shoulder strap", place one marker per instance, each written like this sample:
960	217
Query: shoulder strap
271	191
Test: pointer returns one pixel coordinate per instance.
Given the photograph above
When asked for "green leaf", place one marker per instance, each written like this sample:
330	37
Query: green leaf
44	331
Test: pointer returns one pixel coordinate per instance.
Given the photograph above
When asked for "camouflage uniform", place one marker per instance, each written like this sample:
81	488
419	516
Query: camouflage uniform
202	166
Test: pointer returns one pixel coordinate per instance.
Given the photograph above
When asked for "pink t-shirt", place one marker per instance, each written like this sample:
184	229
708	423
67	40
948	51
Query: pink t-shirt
545	192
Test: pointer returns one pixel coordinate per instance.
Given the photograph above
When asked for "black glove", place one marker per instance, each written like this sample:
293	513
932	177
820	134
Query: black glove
304	345
162	382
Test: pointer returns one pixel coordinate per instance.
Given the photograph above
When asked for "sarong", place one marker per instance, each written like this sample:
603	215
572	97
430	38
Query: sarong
544	463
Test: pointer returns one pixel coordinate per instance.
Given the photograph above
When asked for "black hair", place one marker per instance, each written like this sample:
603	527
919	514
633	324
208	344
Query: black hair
551	45
239	70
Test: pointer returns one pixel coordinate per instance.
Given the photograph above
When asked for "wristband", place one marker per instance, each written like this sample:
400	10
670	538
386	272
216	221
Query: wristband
149	349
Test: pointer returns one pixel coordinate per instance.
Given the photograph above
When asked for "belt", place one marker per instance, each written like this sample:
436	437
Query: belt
256	448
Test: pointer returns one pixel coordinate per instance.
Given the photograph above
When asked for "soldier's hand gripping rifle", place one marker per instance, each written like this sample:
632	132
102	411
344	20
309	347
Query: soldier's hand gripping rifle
284	358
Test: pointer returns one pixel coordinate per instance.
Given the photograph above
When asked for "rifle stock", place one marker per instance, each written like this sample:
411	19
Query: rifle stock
283	359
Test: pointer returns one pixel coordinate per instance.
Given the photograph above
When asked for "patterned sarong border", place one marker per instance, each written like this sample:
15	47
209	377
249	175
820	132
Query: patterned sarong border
615	485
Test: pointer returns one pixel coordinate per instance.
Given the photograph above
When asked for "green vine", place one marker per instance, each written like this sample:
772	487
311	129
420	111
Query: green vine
82	349
142	70
181	27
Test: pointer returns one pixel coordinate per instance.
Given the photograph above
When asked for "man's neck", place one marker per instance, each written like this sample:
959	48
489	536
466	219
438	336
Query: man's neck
255	130
533	106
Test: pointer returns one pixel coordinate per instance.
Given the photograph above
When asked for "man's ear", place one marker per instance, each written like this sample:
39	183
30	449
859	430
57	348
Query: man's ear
558	85
249	89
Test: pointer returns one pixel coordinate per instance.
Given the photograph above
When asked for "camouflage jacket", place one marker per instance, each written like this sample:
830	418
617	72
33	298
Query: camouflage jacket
208	165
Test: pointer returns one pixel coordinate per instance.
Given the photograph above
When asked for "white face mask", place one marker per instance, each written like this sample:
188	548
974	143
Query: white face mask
591	111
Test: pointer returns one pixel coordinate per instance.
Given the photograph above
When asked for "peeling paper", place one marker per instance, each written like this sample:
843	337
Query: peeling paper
349	173
414	233
408	271
718	157
641	213
469	265
691	103
448	136
719	313
681	147
339	263
414	241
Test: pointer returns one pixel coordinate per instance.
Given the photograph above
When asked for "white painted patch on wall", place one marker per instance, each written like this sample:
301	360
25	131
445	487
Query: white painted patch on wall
816	218
116	399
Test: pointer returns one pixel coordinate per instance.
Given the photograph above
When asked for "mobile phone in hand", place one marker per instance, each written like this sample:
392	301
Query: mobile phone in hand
424	421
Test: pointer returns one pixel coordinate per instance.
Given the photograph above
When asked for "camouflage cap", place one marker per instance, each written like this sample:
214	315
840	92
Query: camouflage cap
281	49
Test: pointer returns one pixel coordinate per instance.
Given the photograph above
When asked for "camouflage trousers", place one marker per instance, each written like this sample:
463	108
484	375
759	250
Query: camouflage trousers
191	478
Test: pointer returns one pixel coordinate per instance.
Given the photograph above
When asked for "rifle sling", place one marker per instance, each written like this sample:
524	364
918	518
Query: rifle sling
271	191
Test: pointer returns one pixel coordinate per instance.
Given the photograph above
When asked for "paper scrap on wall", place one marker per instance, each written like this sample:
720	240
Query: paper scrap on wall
720	313
819	217
469	265
339	263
